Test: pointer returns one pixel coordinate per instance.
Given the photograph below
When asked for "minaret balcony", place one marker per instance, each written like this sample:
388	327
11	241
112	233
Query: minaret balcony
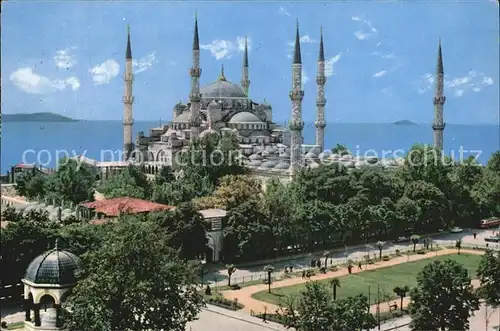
439	100
128	121
320	124
195	72
128	100
320	80
245	82
128	77
320	102
296	95
195	97
296	125
438	126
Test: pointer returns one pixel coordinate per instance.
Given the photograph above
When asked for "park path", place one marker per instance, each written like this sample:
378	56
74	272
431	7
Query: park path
244	295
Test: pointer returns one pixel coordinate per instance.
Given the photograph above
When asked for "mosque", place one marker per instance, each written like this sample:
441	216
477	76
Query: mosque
225	108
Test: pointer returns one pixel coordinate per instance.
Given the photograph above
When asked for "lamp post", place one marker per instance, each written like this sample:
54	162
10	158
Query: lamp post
203	262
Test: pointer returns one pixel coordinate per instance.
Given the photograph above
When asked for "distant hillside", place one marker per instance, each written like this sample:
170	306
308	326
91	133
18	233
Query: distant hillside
36	117
404	122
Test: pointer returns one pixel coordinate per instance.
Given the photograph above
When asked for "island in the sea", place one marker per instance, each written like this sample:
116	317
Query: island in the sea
404	122
36	117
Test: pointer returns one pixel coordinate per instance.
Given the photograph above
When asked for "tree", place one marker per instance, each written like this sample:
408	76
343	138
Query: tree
494	162
185	230
269	269
488	273
313	311
231	269
335	282
310	311
443	299
458	245
134	282
415	239
31	184
232	191
401	291
380	246
165	175
340	149
131	182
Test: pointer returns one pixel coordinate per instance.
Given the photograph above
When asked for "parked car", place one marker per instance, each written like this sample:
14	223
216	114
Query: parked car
402	239
456	230
492	239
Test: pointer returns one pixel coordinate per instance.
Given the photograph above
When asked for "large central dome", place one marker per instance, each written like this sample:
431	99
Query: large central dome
222	89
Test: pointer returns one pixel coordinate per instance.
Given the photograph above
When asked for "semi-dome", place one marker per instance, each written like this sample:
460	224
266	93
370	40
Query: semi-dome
222	89
55	267
245	117
255	157
183	117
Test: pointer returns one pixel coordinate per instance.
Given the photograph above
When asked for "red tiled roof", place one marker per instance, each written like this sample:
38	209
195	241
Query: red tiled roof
25	165
117	206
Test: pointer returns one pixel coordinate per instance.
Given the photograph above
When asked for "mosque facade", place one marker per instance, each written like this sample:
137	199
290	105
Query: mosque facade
225	108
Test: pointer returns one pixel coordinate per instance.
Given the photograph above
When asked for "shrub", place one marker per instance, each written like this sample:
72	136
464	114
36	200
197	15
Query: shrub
4	325
398	252
334	268
386	258
421	252
208	290
235	287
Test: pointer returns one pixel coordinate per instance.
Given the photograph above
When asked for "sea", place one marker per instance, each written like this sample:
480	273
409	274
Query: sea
45	143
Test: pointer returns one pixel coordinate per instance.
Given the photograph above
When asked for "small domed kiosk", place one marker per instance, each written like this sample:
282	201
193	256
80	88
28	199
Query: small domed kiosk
47	282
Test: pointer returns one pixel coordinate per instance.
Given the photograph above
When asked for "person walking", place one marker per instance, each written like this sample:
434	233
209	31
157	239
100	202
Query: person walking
360	265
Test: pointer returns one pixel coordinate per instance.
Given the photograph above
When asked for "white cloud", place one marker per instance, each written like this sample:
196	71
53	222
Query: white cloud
283	11
64	58
379	74
329	64
368	29
458	86
305	78
385	56
305	39
104	72
144	63
30	82
361	35
221	49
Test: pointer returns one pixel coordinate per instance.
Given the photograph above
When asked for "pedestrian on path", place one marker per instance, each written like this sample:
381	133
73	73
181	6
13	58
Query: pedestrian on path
303	274
359	266
475	235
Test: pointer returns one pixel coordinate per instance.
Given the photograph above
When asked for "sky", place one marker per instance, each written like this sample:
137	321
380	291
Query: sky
68	57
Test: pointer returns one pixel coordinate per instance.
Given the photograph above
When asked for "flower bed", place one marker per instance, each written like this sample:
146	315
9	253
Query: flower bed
222	302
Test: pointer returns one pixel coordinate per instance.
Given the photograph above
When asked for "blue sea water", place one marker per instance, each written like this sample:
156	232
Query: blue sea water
40	142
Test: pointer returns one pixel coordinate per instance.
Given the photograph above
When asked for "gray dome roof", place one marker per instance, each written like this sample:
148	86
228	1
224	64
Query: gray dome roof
255	157
245	117
311	155
222	89
53	267
254	163
183	117
269	164
282	166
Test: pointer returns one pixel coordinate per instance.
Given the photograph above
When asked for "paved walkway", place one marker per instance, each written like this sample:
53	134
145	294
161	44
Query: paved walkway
244	295
339	256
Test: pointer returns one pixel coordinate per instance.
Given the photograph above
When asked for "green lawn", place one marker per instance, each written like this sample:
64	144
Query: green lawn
367	281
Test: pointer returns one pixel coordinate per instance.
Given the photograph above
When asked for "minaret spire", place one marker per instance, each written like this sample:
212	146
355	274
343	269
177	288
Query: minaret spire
438	124
222	77
194	95
128	100
296	95
245	81
296	55
320	122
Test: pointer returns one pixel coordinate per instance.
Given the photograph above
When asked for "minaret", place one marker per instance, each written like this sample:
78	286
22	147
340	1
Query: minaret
320	98
296	95
195	96
128	100
245	81
439	99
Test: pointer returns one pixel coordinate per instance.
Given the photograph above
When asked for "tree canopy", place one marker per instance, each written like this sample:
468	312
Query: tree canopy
443	299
